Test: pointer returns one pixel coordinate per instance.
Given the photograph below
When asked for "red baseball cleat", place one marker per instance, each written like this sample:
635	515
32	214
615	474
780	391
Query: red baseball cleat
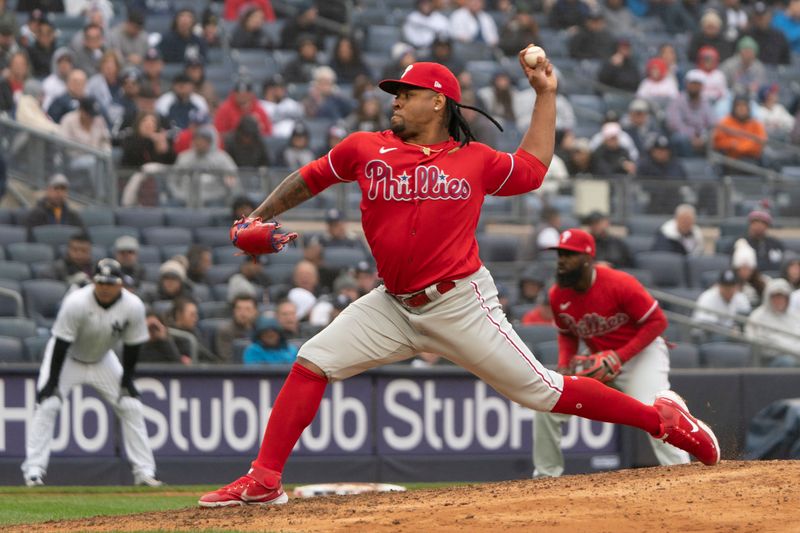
244	491
684	431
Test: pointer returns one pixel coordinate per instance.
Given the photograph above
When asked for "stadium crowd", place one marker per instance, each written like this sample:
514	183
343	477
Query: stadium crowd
190	96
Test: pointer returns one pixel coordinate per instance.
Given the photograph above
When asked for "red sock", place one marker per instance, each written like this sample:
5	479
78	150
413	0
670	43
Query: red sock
591	399
294	409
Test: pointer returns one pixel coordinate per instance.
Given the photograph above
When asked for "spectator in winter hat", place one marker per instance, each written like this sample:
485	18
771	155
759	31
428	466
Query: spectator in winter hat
657	85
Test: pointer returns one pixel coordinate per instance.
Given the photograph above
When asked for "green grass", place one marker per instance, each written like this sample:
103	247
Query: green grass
23	505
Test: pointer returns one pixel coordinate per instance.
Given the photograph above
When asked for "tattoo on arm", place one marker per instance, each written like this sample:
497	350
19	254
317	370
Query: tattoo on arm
289	193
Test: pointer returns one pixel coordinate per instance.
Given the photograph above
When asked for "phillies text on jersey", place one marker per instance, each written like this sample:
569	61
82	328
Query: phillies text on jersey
420	205
607	315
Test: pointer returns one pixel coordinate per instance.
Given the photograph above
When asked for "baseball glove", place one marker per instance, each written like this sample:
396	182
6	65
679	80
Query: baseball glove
603	366
255	237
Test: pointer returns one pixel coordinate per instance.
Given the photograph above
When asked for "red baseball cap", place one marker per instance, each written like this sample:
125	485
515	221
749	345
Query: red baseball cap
431	76
576	240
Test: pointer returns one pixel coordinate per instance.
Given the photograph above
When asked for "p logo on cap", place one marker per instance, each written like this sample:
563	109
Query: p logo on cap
576	240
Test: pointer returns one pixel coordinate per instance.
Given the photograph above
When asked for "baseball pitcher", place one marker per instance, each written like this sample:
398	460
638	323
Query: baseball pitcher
90	322
423	183
621	324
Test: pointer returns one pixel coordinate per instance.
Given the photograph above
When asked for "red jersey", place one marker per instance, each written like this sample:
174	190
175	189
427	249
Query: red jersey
420	205
610	314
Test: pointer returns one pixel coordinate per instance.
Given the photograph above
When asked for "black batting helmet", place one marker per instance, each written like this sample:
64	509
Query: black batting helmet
108	271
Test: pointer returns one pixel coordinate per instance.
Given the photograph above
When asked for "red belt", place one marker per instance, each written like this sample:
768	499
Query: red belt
418	299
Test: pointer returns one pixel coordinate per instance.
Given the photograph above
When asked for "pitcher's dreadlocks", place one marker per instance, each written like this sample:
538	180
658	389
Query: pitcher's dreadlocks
457	126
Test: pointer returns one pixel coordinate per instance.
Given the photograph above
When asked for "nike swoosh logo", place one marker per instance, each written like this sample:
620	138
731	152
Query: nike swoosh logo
383	149
695	427
565	305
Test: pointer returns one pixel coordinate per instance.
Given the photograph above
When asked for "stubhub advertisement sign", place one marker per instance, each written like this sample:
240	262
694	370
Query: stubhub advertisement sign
208	415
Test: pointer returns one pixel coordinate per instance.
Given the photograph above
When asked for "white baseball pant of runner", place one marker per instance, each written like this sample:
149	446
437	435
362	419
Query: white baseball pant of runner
642	377
104	376
466	325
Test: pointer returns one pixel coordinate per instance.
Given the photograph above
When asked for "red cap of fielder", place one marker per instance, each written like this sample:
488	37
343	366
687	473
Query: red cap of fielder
576	240
433	76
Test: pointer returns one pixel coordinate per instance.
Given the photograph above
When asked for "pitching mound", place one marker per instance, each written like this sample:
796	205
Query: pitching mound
734	496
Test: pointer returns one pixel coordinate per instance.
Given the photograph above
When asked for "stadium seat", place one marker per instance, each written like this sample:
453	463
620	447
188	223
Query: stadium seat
11	234
724	245
151	271
470	51
213	236
98	252
221	273
43	299
687	293
226	255
645	277
699	169
668	268
209	326
29	252
519	310
381	38
535	334
106	235
697	265
725	355
645	224
6	216
618	102
18	327
219	291
11	304
149	254
791	244
169	251
498	247
12	350
54	234
162	307
97	216
201	292
280	273
34	347
141	217
684	355
588	104
188	218
639	243
342	258
161	236
3	255
547	353
42	270
287	256
734	227
14	270
214	309
239	346
677	332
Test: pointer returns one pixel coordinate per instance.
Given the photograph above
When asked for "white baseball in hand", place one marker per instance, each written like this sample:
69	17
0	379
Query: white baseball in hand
532	55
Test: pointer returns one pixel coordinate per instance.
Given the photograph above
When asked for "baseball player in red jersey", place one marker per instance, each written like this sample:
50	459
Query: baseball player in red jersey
621	324
423	183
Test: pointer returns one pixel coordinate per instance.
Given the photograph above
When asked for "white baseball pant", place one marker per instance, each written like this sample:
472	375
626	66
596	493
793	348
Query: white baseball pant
104	376
466	325
642	377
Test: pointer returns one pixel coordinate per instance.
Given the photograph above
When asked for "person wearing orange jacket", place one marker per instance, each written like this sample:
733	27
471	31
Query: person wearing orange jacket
739	135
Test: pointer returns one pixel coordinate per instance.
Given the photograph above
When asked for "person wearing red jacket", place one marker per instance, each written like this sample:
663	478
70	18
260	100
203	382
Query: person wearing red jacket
241	101
233	8
621	324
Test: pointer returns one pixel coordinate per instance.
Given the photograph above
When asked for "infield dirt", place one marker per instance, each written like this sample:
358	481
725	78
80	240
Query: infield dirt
733	496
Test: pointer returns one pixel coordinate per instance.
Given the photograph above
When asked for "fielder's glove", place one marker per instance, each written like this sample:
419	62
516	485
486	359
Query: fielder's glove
127	388
50	389
603	366
255	237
